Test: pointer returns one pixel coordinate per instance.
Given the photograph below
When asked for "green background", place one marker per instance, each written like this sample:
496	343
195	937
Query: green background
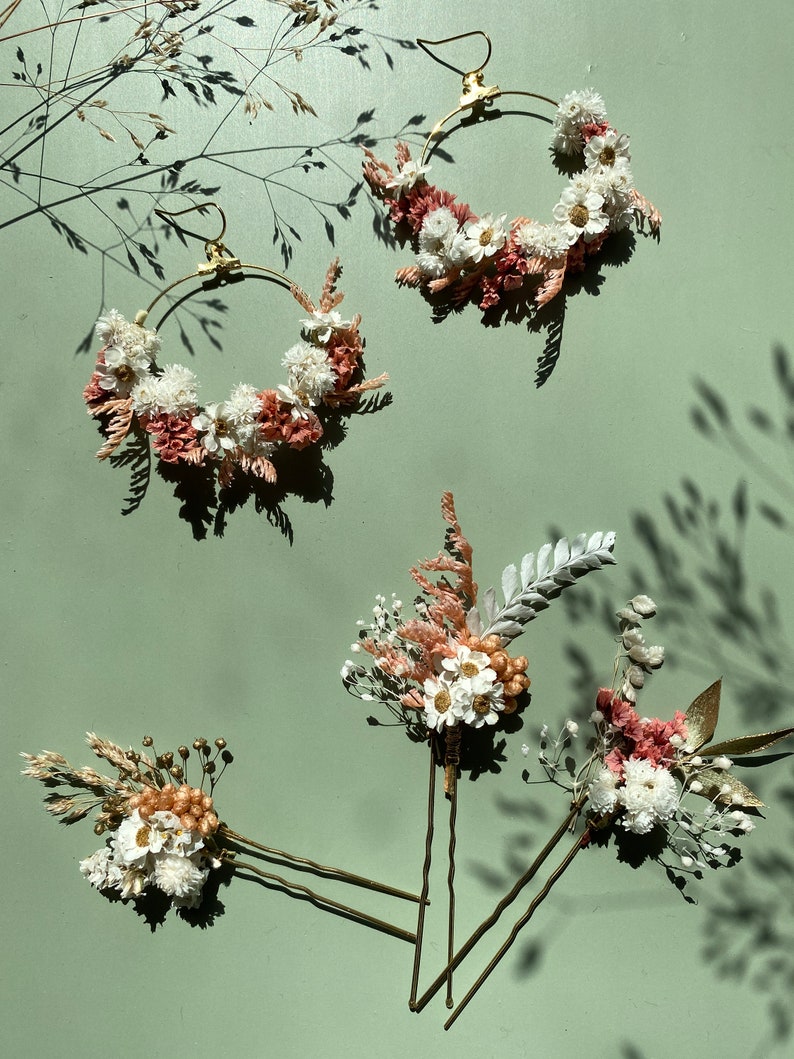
130	624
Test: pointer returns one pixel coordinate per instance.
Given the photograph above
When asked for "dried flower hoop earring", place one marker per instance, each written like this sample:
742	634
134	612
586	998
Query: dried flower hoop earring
480	257
128	389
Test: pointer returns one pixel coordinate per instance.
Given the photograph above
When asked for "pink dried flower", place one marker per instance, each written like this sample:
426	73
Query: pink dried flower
343	350
594	128
173	437
278	423
93	392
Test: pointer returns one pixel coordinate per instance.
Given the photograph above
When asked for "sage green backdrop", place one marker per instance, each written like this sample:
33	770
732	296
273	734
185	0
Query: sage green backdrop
133	624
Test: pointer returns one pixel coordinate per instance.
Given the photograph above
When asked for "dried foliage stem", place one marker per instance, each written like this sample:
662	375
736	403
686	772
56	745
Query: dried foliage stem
233	836
507	900
521	923
324	902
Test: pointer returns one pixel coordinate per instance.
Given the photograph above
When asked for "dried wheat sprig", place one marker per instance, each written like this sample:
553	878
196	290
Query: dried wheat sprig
353	392
118	426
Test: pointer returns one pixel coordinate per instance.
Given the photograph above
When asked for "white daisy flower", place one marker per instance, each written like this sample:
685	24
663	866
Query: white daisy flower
300	409
485	236
438	704
580	214
136	838
122	370
468	664
218	430
132	882
477	707
252	443
606	150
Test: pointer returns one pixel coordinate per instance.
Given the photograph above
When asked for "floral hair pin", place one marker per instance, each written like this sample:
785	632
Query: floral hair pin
163	837
642	776
448	673
467	256
129	391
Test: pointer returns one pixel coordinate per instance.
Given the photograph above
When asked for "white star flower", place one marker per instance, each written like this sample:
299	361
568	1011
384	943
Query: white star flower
320	326
606	150
485	236
409	173
580	214
218	430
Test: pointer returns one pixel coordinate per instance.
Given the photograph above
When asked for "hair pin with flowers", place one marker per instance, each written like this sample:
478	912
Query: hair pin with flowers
644	777
130	392
163	836
448	673
471	257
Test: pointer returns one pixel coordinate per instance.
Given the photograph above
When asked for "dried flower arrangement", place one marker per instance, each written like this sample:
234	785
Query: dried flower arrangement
128	390
162	834
450	665
480	257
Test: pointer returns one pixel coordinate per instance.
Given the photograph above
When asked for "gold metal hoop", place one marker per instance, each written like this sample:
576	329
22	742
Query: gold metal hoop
220	261
475	92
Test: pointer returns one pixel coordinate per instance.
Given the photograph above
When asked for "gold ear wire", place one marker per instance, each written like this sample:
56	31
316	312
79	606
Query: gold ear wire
166	214
475	91
422	42
220	260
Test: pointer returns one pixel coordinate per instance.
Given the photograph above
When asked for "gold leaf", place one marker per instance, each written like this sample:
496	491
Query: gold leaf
748	744
713	780
701	717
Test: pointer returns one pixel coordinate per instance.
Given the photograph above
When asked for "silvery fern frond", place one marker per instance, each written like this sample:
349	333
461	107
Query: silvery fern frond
529	588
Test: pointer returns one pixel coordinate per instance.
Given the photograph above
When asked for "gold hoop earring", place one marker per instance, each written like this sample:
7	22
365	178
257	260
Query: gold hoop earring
129	391
480	258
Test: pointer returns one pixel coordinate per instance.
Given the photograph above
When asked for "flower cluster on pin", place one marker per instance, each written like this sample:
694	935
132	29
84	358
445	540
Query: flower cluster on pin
159	833
646	774
450	663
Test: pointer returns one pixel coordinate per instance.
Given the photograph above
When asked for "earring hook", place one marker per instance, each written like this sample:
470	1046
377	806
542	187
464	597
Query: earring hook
218	255
422	42
208	242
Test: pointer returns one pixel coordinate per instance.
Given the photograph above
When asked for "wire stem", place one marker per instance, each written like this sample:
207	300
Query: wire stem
508	899
521	923
453	812
359	880
423	902
324	902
